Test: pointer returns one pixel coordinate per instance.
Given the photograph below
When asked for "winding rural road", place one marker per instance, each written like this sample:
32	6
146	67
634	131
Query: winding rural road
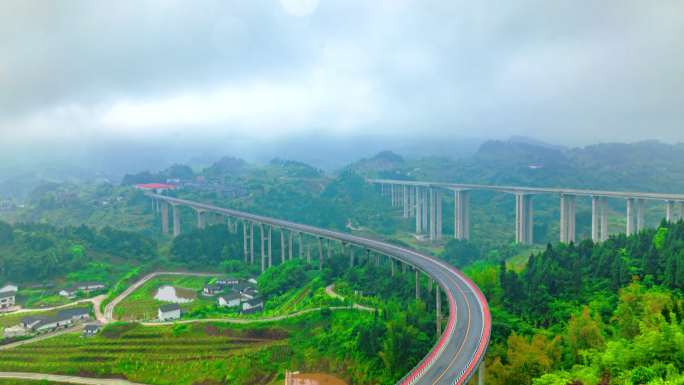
461	347
65	379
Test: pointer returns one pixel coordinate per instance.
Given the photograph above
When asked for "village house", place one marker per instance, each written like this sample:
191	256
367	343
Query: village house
14	331
91	329
232	299
85	287
9	287
63	319
227	281
253	306
7	299
212	289
169	312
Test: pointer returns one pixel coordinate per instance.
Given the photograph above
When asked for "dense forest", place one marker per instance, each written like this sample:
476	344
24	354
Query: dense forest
38	252
609	313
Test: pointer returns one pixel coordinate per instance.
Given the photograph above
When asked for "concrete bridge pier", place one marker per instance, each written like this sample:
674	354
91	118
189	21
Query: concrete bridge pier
567	222
405	199
439	214
270	248
596	217
251	243
282	246
176	220
461	215
412	201
244	241
263	247
320	253
165	217
630	216
604	218
200	218
424	210
418	203
523	219
669	211
301	246
289	244
432	214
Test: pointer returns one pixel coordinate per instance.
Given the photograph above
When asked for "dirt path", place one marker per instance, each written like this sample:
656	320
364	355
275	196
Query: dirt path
66	379
330	290
109	309
99	299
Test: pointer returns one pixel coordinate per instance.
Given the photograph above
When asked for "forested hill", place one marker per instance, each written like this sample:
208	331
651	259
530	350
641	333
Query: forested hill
37	253
642	166
609	313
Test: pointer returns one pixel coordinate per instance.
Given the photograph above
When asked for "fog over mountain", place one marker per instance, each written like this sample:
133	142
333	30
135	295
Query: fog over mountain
121	84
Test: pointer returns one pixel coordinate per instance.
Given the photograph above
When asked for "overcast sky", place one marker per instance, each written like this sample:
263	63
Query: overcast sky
573	71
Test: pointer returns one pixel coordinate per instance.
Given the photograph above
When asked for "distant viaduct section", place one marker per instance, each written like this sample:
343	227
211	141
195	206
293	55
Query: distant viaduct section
463	336
423	200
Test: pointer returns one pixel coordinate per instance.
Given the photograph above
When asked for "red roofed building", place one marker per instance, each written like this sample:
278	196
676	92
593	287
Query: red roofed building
158	187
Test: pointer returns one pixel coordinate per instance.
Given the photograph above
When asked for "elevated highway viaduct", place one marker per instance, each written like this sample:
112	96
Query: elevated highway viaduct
423	200
464	331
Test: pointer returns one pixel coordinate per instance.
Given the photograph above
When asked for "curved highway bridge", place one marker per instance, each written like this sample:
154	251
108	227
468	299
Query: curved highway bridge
459	350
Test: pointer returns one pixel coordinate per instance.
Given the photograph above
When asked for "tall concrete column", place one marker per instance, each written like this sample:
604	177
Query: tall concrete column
270	247
412	201
393	197
244	241
251	243
669	211
308	253
439	215
563	219
301	246
461	214
572	215
289	244
425	211
282	246
630	216
604	218
417	284
329	249
438	310
165	217
176	221
595	218
320	253
263	247
432	215
418	209
523	218
405	200
567	222
641	213
200	218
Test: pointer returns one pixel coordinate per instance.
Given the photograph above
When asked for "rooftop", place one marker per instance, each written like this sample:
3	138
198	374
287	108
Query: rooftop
169	307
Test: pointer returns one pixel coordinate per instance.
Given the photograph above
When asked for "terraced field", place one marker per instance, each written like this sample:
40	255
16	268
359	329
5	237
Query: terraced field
180	354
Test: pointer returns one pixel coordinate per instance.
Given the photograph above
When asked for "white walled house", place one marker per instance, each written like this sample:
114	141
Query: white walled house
9	287
169	312
7	299
230	300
